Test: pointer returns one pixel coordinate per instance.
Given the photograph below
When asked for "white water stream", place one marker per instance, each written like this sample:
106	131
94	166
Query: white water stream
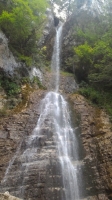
55	63
54	108
65	138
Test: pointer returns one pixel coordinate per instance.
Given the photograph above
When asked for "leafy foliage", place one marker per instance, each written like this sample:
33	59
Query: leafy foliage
94	55
21	21
90	57
11	87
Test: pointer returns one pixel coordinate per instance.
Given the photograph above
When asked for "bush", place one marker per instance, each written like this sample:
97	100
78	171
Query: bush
10	86
27	60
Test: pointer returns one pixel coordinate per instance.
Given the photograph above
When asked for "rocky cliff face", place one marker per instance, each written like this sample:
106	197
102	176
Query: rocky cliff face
7	60
11	66
42	180
96	137
8	64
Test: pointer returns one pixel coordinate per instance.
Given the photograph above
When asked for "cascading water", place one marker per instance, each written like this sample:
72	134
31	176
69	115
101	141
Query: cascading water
55	63
65	141
54	130
64	134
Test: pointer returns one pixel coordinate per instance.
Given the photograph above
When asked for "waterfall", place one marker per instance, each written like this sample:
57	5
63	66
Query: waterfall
55	63
52	144
64	134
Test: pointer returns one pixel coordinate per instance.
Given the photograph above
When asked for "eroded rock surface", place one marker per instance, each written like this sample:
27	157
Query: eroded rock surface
96	137
34	170
15	127
44	179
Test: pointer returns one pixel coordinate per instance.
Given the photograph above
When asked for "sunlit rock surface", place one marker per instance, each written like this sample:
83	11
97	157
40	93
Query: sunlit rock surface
7	60
7	196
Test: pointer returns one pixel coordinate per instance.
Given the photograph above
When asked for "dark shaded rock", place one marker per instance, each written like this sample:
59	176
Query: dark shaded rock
1	41
56	21
22	71
49	43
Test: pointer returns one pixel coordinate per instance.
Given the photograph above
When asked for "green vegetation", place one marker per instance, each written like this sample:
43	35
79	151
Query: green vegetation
38	82
90	57
93	60
22	22
10	85
11	88
16	92
64	73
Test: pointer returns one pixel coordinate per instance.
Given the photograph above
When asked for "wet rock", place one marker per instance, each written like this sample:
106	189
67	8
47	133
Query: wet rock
67	82
42	141
56	21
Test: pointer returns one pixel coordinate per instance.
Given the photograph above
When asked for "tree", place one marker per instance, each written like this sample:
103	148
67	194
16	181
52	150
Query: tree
94	56
84	55
20	23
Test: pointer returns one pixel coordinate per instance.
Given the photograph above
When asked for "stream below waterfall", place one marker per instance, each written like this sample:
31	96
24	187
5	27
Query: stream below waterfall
47	163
